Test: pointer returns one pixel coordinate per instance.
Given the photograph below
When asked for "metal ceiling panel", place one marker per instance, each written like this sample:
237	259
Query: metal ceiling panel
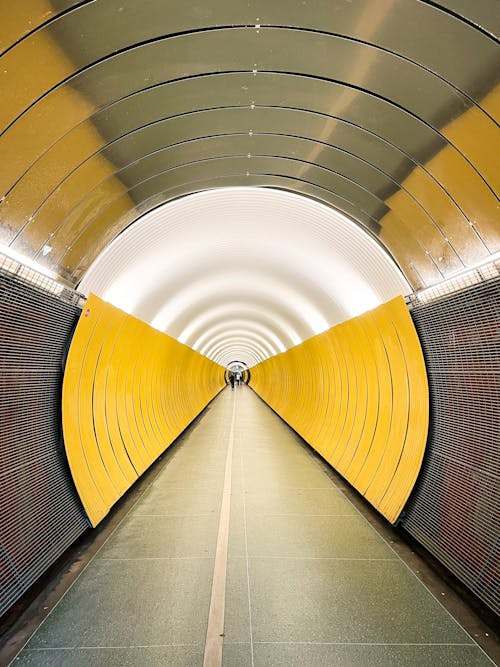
305	153
387	25
392	119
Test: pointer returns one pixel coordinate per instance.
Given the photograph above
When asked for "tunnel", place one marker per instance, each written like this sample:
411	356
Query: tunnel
301	195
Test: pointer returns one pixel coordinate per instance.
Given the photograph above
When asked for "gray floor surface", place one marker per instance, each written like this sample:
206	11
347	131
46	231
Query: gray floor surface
309	581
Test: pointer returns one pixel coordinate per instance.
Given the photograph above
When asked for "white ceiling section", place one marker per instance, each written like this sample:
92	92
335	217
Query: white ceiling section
244	273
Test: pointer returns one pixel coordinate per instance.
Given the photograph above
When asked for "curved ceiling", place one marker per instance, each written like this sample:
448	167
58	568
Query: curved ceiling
384	111
259	268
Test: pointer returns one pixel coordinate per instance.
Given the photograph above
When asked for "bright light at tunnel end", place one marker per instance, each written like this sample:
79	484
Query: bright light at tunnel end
280	266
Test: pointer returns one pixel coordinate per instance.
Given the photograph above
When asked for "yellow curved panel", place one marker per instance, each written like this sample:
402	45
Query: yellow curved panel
379	441
77	458
105	416
342	396
128	392
359	402
353	406
374	401
124	407
332	362
418	414
386	465
358	394
106	471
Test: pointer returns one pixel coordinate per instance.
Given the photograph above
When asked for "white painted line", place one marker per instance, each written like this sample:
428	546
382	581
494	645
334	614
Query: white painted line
215	629
107	648
286	516
175	516
146	558
247	560
349	560
470	645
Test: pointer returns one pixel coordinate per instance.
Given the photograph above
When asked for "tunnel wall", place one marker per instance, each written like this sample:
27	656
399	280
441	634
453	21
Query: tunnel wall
128	392
358	394
455	506
40	512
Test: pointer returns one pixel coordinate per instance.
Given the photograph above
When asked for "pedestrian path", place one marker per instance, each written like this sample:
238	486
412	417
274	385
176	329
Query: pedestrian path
301	578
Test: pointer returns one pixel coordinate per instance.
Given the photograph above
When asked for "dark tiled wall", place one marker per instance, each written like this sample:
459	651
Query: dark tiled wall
455	506
40	513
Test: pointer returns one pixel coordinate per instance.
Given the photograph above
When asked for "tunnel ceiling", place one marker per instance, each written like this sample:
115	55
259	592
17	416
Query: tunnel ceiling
386	112
256	267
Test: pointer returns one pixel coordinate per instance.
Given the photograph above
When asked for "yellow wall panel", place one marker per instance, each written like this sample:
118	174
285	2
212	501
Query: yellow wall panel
104	405
108	475
331	363
370	343
126	419
380	436
418	414
358	394
84	481
342	397
387	463
359	403
354	413
128	392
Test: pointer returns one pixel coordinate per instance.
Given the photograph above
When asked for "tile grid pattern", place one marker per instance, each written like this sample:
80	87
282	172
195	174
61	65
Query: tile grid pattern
309	582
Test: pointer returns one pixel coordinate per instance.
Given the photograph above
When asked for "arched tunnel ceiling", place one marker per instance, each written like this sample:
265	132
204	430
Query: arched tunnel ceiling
233	266
384	111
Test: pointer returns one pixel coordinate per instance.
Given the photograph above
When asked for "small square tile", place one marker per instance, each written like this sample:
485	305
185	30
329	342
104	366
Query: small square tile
236	655
237	615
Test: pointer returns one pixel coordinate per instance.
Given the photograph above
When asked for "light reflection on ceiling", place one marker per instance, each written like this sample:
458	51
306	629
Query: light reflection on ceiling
244	272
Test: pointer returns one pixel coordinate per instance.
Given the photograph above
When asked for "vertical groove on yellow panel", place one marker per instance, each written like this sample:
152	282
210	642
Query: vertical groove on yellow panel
71	416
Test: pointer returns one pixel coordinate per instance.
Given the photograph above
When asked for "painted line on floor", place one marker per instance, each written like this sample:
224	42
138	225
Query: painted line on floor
215	630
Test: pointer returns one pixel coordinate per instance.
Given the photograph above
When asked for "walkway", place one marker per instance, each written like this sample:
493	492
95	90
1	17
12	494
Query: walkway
309	581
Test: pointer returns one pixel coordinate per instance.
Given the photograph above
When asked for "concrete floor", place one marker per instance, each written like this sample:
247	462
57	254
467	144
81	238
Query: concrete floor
308	580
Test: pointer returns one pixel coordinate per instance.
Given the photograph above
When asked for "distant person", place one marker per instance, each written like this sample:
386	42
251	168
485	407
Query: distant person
238	378
231	381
